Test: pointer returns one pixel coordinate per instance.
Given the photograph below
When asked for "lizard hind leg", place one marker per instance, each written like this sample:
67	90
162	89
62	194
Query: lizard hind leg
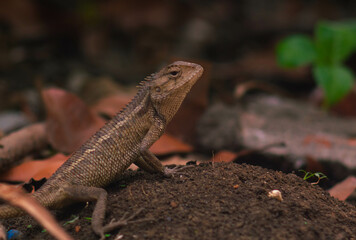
83	193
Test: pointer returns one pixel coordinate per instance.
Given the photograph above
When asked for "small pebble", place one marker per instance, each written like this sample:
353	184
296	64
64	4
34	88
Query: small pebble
275	194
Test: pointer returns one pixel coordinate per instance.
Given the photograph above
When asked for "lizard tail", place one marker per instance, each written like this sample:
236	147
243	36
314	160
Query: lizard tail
8	211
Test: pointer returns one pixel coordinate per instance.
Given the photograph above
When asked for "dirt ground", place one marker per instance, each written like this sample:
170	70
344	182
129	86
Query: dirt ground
219	201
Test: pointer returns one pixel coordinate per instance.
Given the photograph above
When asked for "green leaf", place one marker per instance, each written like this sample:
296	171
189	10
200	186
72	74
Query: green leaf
295	51
334	41
336	81
320	175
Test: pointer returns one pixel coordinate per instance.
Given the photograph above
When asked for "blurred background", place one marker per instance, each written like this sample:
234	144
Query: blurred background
62	42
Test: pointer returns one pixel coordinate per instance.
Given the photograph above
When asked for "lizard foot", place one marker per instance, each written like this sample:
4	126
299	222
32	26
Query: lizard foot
124	220
169	172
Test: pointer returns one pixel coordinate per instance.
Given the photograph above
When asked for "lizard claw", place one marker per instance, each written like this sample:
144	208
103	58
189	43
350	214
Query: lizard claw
169	172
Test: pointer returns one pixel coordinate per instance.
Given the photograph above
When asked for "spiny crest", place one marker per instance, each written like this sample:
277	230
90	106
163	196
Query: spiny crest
142	90
150	77
144	83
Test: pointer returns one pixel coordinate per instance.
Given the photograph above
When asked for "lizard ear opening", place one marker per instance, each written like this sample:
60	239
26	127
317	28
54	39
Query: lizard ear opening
157	89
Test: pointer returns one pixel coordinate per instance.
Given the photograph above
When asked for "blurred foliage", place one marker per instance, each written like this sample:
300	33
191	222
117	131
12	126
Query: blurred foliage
333	43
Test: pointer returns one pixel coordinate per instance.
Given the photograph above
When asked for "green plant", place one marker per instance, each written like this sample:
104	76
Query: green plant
333	43
308	175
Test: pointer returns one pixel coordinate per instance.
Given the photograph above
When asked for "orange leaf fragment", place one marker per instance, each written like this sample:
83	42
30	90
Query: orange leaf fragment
352	142
318	140
168	144
69	121
344	189
112	105
224	156
77	228
174	204
34	169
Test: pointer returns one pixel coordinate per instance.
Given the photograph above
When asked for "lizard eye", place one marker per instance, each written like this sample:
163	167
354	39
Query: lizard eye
174	73
158	89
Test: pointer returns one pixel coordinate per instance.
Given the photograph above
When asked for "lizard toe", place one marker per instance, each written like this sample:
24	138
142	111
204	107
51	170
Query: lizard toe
169	172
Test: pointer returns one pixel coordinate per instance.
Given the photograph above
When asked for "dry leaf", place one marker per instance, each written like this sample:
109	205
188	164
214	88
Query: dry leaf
318	140
344	189
112	105
34	169
224	156
168	144
69	121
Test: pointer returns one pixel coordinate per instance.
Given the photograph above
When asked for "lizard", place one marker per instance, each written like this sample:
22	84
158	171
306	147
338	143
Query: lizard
123	140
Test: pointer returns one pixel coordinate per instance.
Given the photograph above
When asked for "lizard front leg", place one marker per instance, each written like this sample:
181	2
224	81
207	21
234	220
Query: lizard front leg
84	194
147	160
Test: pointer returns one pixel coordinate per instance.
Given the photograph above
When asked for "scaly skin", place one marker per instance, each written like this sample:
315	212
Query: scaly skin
122	141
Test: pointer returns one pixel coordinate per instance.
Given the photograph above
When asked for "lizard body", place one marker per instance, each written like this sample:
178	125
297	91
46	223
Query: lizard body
123	140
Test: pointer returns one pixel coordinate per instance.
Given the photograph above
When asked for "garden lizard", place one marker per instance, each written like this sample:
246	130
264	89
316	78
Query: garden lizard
124	140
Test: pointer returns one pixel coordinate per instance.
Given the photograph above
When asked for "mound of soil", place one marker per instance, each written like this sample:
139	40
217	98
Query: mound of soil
220	201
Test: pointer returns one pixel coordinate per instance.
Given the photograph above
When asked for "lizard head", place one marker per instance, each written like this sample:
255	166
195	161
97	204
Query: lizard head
169	86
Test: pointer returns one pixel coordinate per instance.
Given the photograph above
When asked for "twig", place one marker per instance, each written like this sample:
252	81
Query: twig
2	232
143	191
18	144
18	198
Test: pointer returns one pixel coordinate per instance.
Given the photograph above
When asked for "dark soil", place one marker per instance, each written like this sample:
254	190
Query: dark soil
223	201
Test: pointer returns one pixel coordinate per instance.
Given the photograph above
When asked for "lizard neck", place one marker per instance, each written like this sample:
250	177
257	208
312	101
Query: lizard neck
138	108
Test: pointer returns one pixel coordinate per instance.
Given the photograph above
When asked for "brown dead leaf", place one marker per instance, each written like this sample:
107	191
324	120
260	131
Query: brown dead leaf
103	87
174	204
69	121
313	165
224	156
113	104
318	140
351	142
168	144
77	228
344	189
37	169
